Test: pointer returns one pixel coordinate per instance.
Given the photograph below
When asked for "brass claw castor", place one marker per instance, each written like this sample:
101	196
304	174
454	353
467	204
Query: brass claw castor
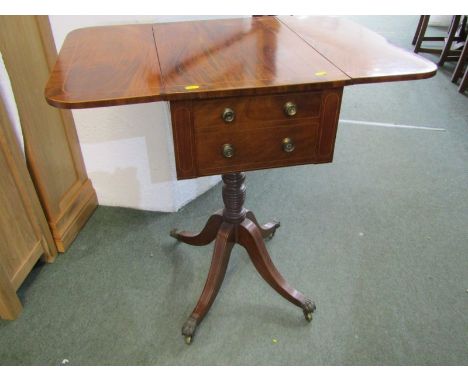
275	227
174	234
188	330
308	308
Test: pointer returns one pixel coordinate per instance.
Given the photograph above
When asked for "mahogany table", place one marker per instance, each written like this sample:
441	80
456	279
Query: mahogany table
245	94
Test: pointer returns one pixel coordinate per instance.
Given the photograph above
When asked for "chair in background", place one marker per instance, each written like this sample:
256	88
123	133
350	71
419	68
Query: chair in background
460	68
456	33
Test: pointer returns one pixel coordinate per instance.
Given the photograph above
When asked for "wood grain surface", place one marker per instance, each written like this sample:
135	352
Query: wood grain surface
363	55
52	147
24	233
256	134
254	110
246	56
115	65
105	66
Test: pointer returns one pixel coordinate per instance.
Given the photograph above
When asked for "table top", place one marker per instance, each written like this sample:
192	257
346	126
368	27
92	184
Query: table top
116	65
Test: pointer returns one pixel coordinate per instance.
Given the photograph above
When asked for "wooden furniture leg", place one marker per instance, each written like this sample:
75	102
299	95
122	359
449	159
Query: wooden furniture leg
464	82
447	50
235	224
422	26
421	37
267	230
418	30
205	236
458	72
219	262
250	238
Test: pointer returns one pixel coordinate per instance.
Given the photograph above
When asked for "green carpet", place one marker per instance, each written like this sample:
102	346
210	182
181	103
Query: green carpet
378	238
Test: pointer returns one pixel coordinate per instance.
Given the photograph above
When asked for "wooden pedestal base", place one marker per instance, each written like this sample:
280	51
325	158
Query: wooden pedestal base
235	224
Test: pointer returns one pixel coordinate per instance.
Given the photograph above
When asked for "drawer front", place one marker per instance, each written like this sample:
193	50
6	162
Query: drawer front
257	133
256	111
237	150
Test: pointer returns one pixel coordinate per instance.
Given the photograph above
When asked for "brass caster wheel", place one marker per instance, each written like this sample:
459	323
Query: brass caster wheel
174	234
308	308
276	226
188	330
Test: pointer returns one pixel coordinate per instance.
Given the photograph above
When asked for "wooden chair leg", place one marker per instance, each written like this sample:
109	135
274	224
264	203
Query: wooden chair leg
267	230
464	82
250	238
457	73
225	240
447	49
422	32
205	236
463	33
418	29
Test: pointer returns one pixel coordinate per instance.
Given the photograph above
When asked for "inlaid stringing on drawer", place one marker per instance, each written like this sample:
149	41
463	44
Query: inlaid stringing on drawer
260	148
256	111
222	135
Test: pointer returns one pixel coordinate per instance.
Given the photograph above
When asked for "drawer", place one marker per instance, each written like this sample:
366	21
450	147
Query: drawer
262	147
256	111
256	133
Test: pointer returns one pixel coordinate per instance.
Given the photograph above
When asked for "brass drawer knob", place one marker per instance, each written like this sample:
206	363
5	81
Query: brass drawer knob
288	145
228	115
228	150
290	109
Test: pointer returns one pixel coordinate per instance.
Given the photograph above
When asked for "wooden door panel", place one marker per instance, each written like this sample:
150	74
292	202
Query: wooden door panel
51	143
24	233
14	222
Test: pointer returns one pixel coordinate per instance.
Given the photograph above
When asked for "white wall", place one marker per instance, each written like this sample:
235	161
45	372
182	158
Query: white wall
6	94
128	150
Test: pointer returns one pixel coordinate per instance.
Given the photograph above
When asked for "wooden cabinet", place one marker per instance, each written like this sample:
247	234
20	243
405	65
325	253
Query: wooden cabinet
52	148
24	233
46	199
